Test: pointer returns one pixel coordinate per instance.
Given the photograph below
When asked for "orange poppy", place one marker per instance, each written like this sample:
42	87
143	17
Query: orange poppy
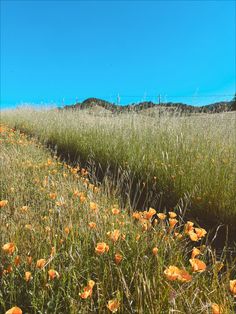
118	258
232	286
197	265
114	235
155	251
216	309
161	216
14	310
93	206
53	274
101	248
9	248
172	214
27	276
40	263
115	211
172	222
195	252
3	203
92	225
113	305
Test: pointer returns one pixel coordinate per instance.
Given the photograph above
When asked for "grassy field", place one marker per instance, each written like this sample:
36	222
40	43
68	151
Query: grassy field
66	247
184	158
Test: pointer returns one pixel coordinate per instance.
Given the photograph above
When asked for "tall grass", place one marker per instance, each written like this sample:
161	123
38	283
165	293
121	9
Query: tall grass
190	156
46	211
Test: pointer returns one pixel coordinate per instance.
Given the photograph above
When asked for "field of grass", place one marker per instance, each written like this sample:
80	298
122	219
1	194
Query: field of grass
179	158
67	247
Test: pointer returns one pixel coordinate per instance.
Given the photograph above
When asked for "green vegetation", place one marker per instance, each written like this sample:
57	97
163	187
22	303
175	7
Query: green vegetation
52	220
189	158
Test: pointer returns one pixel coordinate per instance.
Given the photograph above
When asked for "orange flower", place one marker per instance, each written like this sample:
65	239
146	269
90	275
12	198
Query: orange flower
9	248
232	286
155	251
150	213
118	258
40	263
174	273
188	226
53	251
114	235
52	196
200	232
92	225
161	216
53	274
113	305
29	260
3	203
136	215
172	222
216	309
27	276
87	291
115	211
17	260
197	265
172	214
67	230
101	248
14	310
93	206
193	236
195	252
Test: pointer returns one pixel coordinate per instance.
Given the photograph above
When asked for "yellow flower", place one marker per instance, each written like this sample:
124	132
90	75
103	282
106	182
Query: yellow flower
101	248
113	305
197	265
93	206
9	248
14	310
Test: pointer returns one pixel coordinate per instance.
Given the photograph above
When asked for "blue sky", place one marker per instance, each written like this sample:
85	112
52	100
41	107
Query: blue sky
60	51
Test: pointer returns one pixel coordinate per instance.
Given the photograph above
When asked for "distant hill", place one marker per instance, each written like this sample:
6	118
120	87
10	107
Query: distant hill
136	107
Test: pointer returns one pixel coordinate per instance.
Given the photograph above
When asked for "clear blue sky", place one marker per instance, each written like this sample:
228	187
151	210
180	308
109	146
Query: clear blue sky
55	50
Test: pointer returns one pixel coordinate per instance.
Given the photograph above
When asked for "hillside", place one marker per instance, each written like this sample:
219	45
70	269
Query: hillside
136	107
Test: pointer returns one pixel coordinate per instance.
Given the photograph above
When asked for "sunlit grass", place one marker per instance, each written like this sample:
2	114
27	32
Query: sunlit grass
68	248
191	157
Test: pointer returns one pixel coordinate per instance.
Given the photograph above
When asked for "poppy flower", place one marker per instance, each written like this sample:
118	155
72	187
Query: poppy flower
113	305
216	309
14	310
161	216
193	236
101	248
136	215
118	258
17	260
155	251
9	248
197	265
52	196
3	203
172	214
200	232
27	276
195	252
92	225
93	206
115	211
172	273
232	286
40	263
53	274
87	291
188	227
150	213
172	222
114	235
